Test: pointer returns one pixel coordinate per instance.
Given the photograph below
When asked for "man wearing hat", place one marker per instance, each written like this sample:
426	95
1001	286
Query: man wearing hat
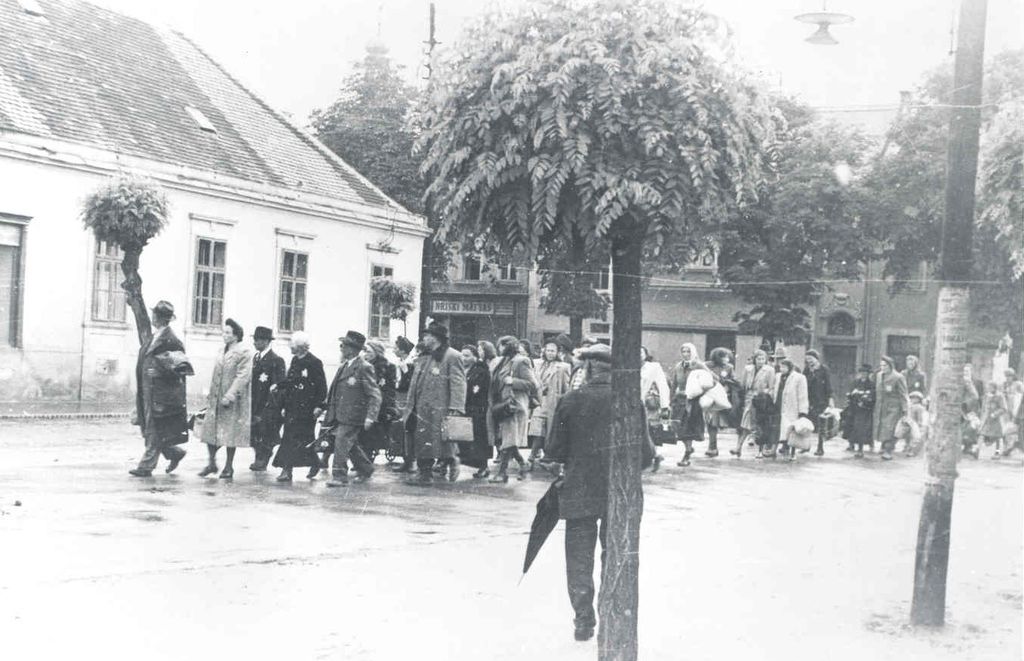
819	394
579	375
268	370
160	409
353	403
580	437
438	389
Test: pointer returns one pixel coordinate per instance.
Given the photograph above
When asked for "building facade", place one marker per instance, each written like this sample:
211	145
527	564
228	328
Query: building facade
481	300
266	226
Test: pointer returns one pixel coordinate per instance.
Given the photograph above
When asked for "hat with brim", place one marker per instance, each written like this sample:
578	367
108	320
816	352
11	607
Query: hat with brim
164	310
262	333
890	361
404	344
601	353
376	347
437	330
353	339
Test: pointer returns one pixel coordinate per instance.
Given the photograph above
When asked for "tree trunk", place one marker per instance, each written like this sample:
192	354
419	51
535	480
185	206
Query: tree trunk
133	293
619	597
952	320
426	277
576	329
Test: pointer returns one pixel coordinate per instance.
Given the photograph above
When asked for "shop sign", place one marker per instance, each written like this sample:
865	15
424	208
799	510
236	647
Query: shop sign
464	307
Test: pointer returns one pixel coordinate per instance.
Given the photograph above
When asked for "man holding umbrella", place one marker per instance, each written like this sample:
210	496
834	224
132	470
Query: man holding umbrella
580	437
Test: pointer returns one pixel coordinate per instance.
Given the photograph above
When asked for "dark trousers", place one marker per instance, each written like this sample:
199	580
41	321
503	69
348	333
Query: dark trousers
263	442
581	535
155	446
346	446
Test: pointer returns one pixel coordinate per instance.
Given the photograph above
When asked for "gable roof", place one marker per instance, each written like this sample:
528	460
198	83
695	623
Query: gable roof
88	75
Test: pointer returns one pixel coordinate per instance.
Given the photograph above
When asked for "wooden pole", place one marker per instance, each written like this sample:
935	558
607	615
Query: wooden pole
427	263
619	598
952	319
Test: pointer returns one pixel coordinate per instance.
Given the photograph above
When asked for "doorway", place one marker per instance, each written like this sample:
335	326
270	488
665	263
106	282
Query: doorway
841	360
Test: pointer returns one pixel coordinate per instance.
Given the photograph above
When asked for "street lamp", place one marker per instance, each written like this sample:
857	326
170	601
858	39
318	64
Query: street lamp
823	19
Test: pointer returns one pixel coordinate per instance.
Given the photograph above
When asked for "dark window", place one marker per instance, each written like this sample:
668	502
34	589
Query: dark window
108	301
208	302
716	339
471	268
10	283
604	278
380	320
898	347
841	324
292	299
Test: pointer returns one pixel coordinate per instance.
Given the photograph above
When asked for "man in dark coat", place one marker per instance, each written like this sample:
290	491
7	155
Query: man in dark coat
303	392
352	406
160	408
819	394
580	437
267	371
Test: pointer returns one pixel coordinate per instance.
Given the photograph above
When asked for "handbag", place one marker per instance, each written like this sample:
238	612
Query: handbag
504	409
664	431
652	402
458	428
538	427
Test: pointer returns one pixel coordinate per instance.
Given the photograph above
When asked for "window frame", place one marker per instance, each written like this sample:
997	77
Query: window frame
381	319
479	267
199	269
101	257
17	300
294	280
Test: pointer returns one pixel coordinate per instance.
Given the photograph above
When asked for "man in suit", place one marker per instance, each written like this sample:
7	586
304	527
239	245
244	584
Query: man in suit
267	371
352	405
160	396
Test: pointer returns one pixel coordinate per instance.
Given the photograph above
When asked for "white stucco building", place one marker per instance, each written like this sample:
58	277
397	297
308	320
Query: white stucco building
267	226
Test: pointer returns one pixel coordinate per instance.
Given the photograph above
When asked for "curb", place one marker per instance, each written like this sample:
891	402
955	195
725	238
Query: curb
63	416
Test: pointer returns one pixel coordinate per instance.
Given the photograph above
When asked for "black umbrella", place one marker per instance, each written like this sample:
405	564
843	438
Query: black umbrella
543	523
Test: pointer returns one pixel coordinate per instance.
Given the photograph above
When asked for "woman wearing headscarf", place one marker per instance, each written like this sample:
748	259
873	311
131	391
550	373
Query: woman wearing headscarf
513	384
858	418
687	409
791	403
553	378
891	404
759	390
229	403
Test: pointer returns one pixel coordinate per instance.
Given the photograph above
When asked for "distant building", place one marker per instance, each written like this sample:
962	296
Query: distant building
267	226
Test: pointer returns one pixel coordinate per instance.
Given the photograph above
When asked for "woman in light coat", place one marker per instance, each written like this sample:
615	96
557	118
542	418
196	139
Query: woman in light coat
553	378
656	393
791	403
758	379
229	403
891	404
512	382
685	409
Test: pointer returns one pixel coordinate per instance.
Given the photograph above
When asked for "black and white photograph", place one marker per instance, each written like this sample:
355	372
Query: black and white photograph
512	330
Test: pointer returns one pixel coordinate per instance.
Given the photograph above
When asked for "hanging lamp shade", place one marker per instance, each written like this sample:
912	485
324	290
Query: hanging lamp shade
824	19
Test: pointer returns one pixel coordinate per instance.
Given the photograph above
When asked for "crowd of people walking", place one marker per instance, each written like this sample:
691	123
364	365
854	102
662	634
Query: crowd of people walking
484	406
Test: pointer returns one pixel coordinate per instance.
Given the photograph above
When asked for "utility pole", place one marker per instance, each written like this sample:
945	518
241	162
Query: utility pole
427	267
952	319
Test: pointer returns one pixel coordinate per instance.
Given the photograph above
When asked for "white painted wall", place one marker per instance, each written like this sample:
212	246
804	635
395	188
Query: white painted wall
61	344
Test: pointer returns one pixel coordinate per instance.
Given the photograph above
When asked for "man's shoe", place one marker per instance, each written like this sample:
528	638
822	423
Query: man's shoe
313	472
819	453
363	477
174	463
258	467
337	481
285	476
711	454
584	634
140	472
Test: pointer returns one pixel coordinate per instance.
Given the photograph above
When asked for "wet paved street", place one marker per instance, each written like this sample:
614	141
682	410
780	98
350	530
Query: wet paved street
740	560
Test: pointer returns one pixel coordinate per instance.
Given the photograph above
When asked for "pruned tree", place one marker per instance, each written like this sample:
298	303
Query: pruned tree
128	211
622	120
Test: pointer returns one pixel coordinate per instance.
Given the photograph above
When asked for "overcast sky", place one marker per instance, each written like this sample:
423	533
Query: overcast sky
294	53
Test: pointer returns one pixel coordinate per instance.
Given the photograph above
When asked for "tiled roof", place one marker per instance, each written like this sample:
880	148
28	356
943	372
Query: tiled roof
89	75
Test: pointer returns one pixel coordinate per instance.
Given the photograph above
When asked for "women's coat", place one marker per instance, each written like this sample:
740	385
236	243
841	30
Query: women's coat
553	380
858	418
438	385
993	410
303	390
478	384
760	382
791	401
230	426
512	431
891	404
687	411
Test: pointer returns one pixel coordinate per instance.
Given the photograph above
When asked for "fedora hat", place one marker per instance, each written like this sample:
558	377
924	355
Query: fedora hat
437	330
262	333
163	309
353	339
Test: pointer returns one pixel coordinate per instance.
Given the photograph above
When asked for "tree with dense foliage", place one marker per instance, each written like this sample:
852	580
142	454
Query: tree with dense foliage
624	121
128	212
805	230
906	191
